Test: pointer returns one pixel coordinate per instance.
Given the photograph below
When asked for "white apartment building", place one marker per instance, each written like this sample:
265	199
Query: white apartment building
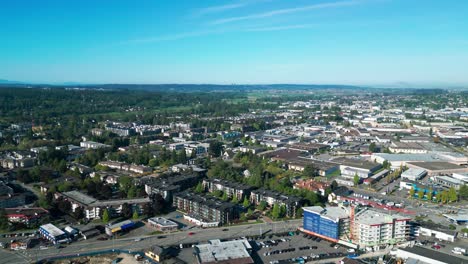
374	228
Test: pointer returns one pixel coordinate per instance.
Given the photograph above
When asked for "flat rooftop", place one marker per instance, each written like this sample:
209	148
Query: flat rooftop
52	230
224	252
435	255
162	221
357	163
374	217
436	165
330	212
80	197
413	172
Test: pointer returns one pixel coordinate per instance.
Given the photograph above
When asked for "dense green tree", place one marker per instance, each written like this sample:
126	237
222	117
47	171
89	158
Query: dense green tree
199	188
4	225
262	206
275	212
135	215
246	203
421	194
309	171
356	180
105	216
463	192
215	149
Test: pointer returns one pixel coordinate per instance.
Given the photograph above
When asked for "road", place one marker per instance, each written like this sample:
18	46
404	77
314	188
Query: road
200	235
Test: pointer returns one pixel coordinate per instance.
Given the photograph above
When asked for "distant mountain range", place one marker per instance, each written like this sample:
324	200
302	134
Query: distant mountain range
224	87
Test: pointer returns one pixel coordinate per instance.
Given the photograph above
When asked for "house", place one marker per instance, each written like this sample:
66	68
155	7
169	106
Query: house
156	253
27	216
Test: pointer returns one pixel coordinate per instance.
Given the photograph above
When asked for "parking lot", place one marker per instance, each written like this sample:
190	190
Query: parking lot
284	249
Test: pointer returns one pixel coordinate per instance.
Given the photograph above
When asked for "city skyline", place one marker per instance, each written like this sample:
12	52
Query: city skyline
359	42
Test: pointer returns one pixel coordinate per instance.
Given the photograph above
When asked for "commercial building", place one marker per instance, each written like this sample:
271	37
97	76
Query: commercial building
227	252
413	174
111	229
331	223
205	210
371	228
449	182
162	224
432	230
271	198
53	234
424	255
239	190
351	167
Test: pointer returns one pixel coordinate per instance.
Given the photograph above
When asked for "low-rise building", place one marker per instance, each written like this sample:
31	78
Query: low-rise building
163	224
226	252
438	167
351	167
111	229
27	216
53	234
312	185
432	230
413	174
93	145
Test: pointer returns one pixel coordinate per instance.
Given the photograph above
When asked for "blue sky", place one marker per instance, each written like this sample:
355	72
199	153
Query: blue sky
369	42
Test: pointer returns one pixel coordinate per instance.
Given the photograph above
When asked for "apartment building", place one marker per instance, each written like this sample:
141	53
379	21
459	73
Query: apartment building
229	187
205	210
375	228
271	198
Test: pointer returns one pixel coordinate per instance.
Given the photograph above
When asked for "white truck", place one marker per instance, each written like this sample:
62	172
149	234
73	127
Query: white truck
459	251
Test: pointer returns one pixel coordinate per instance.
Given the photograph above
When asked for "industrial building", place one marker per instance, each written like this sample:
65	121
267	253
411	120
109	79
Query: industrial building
414	174
53	234
227	252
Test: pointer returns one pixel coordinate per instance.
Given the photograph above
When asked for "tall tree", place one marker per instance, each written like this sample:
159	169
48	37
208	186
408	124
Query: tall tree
356	180
105	216
275	212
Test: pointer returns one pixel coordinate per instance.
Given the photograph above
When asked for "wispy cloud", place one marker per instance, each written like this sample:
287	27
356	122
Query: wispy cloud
280	28
219	8
172	37
287	11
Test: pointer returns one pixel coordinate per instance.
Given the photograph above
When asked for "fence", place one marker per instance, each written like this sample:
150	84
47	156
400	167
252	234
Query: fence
96	253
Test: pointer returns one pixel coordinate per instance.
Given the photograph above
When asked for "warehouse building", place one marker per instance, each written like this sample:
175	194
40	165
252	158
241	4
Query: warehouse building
414	174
